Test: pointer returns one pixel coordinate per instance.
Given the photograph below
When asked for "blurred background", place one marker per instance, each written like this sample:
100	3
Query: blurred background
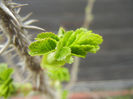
112	66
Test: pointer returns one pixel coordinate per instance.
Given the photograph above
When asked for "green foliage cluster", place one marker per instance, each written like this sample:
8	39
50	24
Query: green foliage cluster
56	50
66	43
6	82
60	49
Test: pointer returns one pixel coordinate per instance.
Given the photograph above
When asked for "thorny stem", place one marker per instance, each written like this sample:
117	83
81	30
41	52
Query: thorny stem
13	27
87	21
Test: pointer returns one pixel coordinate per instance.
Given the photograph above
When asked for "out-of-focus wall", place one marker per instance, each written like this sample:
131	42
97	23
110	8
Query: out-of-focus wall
113	19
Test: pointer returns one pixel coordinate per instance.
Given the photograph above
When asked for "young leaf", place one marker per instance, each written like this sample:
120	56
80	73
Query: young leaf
61	32
88	39
78	51
63	42
49	60
47	35
77	43
81	30
62	53
42	47
85	42
69	59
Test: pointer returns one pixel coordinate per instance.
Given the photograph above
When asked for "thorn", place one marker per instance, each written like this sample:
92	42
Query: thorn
13	3
33	27
30	22
7	11
5	46
20	5
18	10
15	25
27	16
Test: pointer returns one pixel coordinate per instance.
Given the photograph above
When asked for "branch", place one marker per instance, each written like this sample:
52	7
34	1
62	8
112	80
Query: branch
88	13
11	24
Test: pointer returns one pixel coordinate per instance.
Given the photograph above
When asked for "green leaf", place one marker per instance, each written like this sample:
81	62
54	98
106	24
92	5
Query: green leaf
69	59
61	32
81	30
82	50
71	38
6	82
47	35
49	60
74	36
62	53
3	67
88	38
84	42
78	51
42	47
63	42
6	89
6	74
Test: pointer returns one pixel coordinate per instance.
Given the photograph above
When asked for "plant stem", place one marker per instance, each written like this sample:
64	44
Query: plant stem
88	14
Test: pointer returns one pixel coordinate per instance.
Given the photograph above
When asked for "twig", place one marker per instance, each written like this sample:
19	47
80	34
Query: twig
88	13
